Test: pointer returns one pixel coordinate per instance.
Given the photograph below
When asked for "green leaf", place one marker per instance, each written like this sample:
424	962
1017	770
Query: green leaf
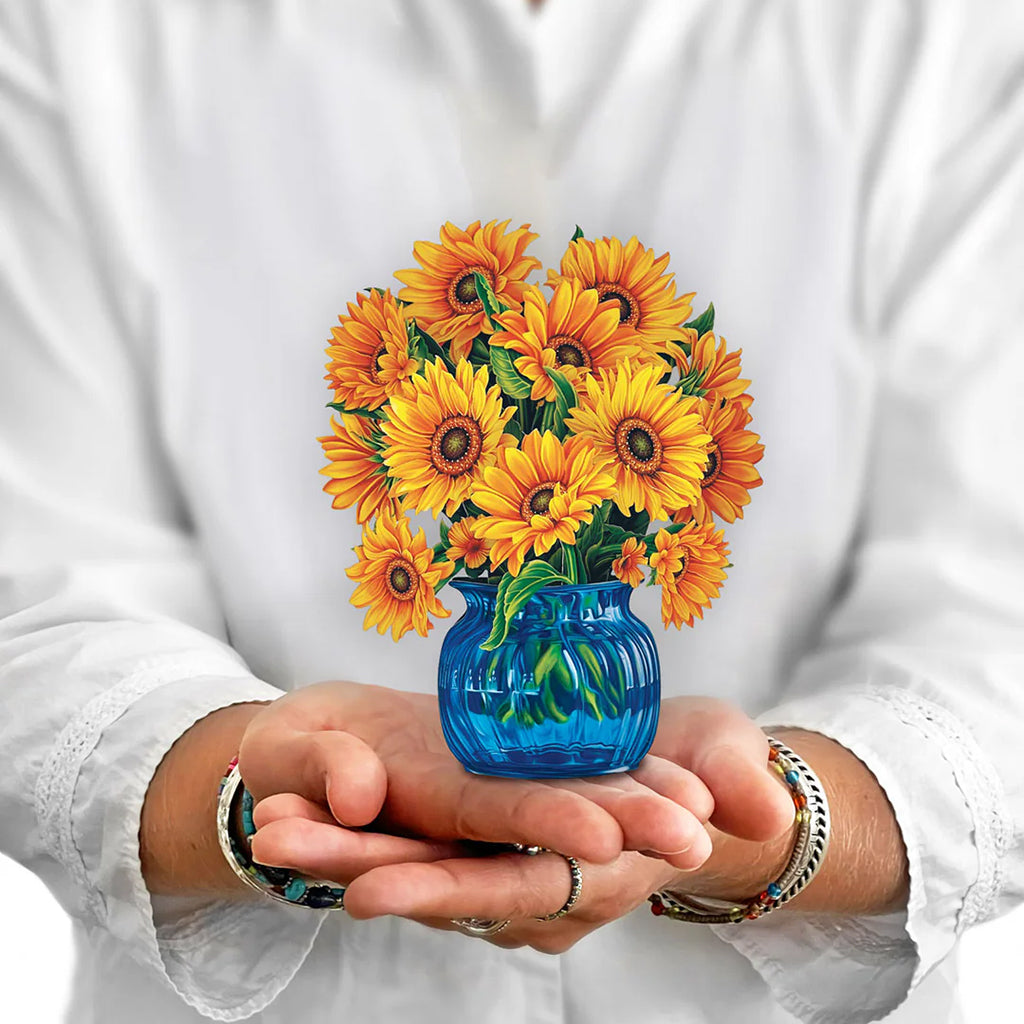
705	322
443	526
513	593
515	428
510	380
424	345
492	307
587	654
565	399
552	708
577	234
546	662
480	354
353	410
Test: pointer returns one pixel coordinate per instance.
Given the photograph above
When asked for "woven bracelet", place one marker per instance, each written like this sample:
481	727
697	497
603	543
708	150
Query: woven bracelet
278	883
809	847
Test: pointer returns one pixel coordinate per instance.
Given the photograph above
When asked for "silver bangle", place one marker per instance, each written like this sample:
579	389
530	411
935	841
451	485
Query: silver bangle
278	883
808	854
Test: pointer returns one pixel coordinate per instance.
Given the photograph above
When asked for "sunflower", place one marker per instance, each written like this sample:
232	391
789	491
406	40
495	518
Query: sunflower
690	566
575	332
648	436
627	566
441	431
370	355
538	494
442	292
729	476
713	368
464	543
357	474
397	574
631	274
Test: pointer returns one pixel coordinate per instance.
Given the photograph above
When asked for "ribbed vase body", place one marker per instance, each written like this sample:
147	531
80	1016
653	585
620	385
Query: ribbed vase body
573	690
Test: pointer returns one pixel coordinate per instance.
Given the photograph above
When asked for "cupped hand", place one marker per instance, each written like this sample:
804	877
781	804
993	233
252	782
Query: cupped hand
712	738
375	761
515	887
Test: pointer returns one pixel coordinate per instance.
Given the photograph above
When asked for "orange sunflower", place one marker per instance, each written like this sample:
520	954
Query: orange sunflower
575	332
627	567
631	274
357	474
441	431
370	355
538	494
647	435
730	475
442	292
712	368
464	543
396	573
690	566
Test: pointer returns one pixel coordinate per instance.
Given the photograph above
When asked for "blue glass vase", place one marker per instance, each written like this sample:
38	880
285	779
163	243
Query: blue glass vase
573	690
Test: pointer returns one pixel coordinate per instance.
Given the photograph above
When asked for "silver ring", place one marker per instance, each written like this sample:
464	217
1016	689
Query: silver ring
479	926
575	872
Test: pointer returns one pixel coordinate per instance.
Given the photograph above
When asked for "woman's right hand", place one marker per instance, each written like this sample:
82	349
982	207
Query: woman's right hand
375	760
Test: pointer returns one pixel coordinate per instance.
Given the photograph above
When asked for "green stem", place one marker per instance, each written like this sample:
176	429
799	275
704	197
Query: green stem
571	568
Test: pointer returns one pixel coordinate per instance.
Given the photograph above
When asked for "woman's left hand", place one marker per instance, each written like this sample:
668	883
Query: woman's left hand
517	887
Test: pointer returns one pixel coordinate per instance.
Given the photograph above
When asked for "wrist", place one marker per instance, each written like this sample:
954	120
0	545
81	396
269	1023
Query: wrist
178	843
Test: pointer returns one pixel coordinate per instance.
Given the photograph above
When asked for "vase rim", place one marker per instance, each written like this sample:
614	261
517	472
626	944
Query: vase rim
461	583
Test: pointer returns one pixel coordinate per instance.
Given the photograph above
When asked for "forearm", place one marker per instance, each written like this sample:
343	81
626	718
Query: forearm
865	870
178	834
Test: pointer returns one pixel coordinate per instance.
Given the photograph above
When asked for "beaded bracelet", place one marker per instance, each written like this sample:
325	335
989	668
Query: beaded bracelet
277	883
813	829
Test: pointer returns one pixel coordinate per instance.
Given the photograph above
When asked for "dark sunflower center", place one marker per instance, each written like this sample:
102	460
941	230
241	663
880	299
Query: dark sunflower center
629	308
569	351
538	501
376	365
638	446
465	289
462	294
456	445
714	466
641	444
402	579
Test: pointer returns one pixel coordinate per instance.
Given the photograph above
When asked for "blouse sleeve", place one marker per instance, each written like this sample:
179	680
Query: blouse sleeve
920	668
111	639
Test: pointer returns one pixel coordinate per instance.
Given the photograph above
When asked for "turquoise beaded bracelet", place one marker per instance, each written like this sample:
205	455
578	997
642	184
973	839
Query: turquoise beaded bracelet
277	883
811	815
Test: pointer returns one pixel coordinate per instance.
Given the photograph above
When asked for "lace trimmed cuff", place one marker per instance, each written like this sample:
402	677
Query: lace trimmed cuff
831	969
227	960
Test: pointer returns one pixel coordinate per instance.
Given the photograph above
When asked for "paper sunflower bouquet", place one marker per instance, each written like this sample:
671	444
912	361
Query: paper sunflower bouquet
570	441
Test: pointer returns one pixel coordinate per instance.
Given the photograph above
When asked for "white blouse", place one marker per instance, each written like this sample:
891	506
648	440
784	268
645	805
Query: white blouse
191	192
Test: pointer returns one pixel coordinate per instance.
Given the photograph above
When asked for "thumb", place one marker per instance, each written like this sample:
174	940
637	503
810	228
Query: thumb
729	752
750	803
329	767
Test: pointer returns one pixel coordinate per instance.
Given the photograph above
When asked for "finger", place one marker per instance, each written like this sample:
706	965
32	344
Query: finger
322	765
432	794
648	820
335	853
677	784
505	886
289	805
729	752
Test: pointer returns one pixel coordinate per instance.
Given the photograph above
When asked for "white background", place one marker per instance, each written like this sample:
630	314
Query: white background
36	958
